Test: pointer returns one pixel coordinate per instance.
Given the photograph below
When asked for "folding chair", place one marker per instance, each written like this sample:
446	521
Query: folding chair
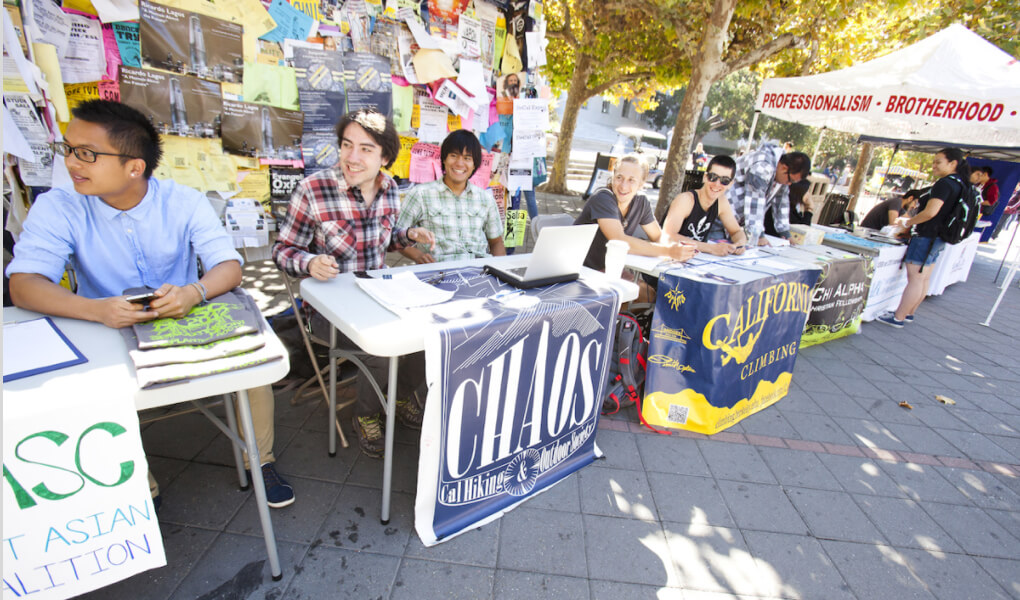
834	211
309	338
540	221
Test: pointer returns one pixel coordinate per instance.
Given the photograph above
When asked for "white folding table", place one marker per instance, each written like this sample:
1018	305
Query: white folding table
381	332
109	370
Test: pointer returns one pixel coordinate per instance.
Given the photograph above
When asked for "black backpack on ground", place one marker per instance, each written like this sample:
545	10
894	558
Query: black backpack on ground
962	219
626	365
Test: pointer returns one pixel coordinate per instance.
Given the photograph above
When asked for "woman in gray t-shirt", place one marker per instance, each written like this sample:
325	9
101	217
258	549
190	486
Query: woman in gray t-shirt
619	210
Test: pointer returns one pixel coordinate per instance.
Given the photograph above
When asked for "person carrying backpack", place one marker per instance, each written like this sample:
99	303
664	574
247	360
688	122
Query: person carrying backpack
935	210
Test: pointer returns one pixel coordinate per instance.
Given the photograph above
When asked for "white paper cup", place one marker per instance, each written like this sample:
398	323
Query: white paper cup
616	254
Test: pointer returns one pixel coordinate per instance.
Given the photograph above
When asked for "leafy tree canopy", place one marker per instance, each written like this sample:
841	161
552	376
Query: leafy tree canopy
651	51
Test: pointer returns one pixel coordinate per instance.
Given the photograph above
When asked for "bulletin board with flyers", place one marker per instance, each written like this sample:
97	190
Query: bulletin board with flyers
247	93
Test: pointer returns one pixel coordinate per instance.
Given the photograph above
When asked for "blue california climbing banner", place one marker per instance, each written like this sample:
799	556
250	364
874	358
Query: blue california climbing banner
516	379
721	351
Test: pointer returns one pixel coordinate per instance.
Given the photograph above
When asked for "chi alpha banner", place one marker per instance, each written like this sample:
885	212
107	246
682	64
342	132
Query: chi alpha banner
515	390
718	353
838	300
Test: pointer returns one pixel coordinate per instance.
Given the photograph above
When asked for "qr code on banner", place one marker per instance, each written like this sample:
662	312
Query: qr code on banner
677	414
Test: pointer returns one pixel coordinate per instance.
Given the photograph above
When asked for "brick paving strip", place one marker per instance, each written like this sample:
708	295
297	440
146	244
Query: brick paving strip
892	456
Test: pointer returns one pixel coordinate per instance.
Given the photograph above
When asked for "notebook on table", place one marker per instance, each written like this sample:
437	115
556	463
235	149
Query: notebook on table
558	256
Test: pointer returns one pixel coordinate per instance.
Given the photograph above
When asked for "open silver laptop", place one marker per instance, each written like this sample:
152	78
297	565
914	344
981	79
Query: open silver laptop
558	256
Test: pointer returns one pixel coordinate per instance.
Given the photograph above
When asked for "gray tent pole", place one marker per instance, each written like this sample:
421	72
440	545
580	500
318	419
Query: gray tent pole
1006	255
750	136
895	149
814	155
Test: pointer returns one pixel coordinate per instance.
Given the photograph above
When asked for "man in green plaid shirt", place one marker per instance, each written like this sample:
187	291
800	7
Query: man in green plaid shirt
463	216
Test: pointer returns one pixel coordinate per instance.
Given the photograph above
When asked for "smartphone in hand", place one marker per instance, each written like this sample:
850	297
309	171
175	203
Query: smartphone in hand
143	299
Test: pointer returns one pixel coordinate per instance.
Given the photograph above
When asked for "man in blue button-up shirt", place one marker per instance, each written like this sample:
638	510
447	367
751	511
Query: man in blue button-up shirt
118	229
121	228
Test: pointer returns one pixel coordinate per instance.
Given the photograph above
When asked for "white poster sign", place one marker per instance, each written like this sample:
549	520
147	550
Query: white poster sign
531	114
528	143
469	33
458	99
83	59
432	121
887	283
519	176
77	512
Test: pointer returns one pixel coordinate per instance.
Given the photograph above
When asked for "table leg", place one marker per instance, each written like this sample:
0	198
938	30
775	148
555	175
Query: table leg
332	391
228	406
391	418
254	461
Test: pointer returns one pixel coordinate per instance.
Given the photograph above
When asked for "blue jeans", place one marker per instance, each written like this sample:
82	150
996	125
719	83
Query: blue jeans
529	196
923	251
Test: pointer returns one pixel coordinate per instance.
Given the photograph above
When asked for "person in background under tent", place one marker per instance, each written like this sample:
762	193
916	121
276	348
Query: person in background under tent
925	245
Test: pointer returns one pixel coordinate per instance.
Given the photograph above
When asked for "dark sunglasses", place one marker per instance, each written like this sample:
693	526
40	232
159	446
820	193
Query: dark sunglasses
714	177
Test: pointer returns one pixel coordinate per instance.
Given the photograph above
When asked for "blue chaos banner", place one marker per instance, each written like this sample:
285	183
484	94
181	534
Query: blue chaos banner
719	352
516	380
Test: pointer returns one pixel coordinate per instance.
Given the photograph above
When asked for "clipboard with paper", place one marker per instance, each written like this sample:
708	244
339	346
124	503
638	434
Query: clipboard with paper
37	346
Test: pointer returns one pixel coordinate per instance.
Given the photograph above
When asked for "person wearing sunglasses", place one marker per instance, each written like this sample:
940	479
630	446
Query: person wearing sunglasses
692	214
761	184
122	228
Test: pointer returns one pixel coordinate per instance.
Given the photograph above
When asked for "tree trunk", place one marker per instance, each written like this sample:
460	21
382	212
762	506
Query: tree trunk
707	69
860	174
576	96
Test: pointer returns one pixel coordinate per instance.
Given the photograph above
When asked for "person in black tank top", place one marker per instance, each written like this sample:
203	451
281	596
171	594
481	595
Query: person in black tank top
691	214
699	221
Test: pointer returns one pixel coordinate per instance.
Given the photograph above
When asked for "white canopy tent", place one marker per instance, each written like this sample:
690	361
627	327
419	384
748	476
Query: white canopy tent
953	86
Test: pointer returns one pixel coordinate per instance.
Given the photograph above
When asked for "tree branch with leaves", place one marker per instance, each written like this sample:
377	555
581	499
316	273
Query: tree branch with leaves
597	49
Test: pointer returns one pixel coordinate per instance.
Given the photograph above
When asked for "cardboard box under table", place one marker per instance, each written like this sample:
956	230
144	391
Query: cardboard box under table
724	340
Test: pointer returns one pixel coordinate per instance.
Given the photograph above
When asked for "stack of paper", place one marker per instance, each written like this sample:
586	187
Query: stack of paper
403	290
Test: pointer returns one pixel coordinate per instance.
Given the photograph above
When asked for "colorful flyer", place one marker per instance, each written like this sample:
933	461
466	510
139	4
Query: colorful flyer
319	150
127	37
265	132
190	43
176	104
368	82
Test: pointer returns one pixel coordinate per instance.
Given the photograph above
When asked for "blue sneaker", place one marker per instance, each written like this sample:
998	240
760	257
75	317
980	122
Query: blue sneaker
279	493
891	320
909	318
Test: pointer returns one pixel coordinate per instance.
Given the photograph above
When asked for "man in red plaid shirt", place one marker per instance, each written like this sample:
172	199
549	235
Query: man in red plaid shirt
344	219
